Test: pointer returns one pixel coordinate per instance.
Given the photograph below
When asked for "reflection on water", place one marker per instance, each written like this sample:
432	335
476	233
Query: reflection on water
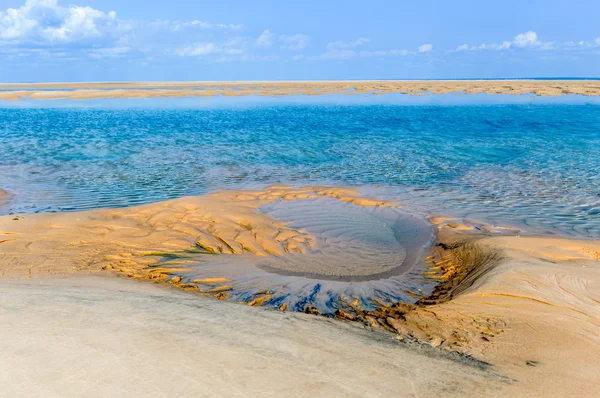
525	164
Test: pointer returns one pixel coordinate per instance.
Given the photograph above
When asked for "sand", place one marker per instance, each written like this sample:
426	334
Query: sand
129	241
527	305
80	91
97	337
4	197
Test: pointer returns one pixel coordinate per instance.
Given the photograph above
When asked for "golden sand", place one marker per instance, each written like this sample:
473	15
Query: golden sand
15	92
132	240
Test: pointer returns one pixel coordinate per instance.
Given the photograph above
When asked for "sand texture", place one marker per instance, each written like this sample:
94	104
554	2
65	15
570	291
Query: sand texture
98	337
80	91
131	240
527	305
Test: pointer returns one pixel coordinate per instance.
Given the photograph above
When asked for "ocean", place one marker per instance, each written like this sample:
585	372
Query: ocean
523	161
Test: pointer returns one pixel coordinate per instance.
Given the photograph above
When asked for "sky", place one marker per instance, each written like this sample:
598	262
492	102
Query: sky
153	40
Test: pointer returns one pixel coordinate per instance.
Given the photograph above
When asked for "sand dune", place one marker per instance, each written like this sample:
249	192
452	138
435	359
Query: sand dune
80	91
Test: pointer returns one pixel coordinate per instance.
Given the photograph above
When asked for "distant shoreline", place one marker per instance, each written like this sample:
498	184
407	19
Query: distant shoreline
459	79
97	90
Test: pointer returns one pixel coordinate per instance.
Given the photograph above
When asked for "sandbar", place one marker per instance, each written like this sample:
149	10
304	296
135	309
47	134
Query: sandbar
82	91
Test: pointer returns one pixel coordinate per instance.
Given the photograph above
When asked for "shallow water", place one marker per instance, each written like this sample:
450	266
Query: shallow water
361	253
518	161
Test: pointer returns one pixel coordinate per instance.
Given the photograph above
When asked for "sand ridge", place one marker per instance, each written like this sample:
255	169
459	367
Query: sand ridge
81	91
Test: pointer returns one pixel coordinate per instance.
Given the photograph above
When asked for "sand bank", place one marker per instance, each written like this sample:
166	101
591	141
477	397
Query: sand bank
80	91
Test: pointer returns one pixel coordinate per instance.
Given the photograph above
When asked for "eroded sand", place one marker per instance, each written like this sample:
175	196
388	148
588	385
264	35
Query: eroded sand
528	305
80	91
131	240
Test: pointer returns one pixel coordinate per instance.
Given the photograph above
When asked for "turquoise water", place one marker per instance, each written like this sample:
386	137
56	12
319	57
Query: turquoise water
524	162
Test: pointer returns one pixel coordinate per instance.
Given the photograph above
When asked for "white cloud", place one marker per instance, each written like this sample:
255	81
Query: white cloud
45	21
177	26
385	53
527	39
425	48
230	26
340	44
197	24
335	53
597	41
196	50
265	39
294	42
503	46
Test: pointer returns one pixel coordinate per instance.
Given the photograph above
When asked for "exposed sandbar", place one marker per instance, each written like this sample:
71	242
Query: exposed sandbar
4	197
80	91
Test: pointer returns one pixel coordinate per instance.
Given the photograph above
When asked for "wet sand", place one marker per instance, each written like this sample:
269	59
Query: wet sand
131	240
527	305
81	91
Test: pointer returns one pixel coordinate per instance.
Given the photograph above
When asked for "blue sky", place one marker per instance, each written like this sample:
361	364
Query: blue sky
109	40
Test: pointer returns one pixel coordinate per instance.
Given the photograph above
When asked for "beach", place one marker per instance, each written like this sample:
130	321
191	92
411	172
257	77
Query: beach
97	337
304	249
519	314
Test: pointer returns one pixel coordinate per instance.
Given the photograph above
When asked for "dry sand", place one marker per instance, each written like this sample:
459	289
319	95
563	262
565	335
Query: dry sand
527	305
98	337
15	92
